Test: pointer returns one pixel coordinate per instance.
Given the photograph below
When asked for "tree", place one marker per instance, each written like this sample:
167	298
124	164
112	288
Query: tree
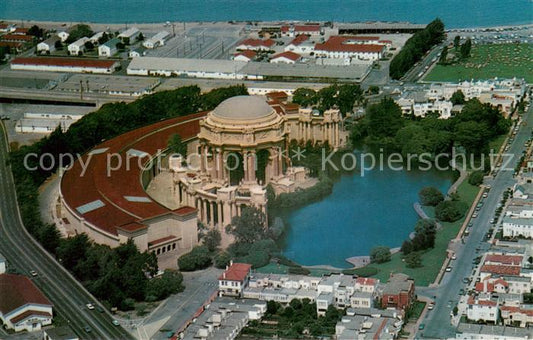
450	211
79	31
212	239
140	37
457	42
171	282
249	227
89	45
176	146
36	31
373	89
305	97
413	260
120	46
458	98
222	259
430	196
104	38
466	48
197	258
476	178
384	118
443	55
58	45
126	41
272	307
380	254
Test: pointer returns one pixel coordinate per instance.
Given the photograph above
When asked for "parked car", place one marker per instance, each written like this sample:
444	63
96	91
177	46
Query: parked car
89	306
33	273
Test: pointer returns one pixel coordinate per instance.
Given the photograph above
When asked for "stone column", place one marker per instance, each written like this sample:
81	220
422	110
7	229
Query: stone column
252	159
245	166
211	214
280	162
219	211
204	211
202	158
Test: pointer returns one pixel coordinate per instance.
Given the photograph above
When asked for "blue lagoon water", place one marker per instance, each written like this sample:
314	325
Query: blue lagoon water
362	212
454	13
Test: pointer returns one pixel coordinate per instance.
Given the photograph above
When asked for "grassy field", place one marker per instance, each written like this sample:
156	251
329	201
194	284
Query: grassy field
489	61
432	259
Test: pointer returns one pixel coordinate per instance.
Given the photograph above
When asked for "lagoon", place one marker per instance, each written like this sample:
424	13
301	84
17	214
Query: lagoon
362	212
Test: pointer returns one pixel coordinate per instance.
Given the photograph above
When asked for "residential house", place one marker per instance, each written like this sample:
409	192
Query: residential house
48	46
22	305
246	56
234	279
77	47
157	40
482	309
301	44
398	292
109	48
256	45
286	58
63	35
129	34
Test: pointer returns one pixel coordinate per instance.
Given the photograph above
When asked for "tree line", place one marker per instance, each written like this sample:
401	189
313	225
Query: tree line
342	97
415	48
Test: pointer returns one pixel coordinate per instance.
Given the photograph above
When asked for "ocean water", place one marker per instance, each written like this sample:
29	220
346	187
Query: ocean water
362	212
454	13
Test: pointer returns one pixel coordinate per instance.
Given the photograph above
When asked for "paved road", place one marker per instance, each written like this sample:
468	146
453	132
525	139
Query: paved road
25	254
414	73
438	321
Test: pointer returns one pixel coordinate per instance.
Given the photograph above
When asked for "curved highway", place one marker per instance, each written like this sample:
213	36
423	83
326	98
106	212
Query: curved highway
24	253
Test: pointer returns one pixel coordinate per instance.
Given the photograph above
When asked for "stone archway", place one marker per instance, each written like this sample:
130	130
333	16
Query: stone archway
263	157
235	166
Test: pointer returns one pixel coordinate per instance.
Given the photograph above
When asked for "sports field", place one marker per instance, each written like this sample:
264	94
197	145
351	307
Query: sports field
489	61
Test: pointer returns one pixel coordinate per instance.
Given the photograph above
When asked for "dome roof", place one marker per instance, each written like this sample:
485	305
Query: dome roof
243	108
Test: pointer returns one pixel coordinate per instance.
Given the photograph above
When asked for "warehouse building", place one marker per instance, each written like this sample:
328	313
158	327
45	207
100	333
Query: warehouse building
64	65
182	67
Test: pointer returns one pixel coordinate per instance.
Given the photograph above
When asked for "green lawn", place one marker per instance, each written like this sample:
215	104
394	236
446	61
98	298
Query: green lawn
432	259
496	143
489	61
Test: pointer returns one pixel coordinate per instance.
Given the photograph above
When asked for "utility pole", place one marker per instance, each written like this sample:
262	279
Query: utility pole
87	83
173	30
81	89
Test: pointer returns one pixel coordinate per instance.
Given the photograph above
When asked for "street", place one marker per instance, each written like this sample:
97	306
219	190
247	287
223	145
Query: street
447	293
24	253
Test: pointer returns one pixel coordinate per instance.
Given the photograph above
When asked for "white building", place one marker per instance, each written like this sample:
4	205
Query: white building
109	48
130	33
517	227
301	44
73	65
349	47
63	36
94	39
45	123
294	30
78	46
286	58
410	106
469	331
22	305
157	40
234	279
482	309
137	52
48	46
256	45
245	56
193	68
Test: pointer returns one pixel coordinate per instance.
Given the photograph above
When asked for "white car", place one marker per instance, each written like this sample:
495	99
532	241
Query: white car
115	322
454	257
33	273
448	269
89	306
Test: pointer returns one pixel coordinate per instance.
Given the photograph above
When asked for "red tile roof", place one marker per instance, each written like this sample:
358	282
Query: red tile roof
17	291
258	42
306	28
515	260
161	240
366	281
21	30
500	270
29	314
17	37
512	309
277	95
299	40
66	62
289	55
80	188
185	211
346	44
236	272
473	301
247	53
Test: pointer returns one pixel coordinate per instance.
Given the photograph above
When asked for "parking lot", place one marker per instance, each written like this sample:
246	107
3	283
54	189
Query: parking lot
109	84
